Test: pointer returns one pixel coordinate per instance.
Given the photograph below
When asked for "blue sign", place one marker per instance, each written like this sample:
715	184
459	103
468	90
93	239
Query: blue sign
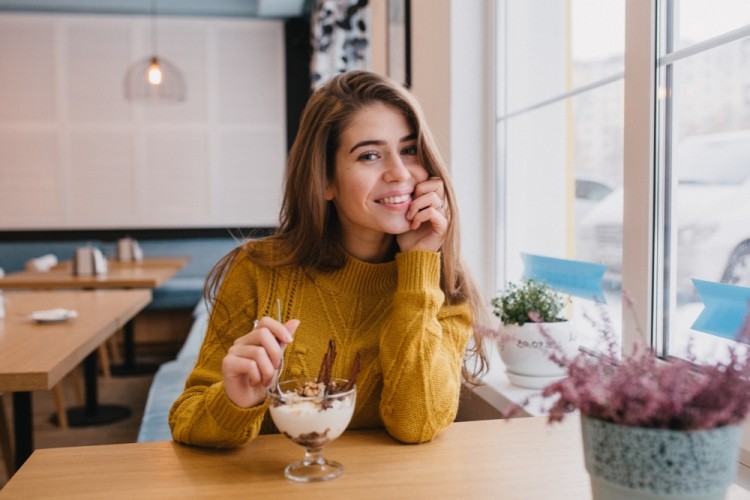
725	308
574	277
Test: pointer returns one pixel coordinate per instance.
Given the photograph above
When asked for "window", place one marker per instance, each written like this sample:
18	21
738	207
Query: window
658	194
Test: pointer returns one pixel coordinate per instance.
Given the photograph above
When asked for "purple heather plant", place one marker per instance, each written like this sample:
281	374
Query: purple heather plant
640	389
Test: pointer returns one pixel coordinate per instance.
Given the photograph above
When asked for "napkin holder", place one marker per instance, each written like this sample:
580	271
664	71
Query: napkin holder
89	261
128	250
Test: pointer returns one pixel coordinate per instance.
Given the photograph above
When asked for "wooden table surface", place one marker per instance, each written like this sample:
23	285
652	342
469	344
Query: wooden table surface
35	357
522	459
116	277
151	272
156	261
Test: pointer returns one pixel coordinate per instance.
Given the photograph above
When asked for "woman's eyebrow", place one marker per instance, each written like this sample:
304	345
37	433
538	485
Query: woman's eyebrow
370	142
375	142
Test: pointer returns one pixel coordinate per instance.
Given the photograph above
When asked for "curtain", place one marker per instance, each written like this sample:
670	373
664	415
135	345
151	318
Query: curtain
340	39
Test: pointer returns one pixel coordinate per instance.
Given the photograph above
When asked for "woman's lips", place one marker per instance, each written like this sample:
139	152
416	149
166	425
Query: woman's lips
394	200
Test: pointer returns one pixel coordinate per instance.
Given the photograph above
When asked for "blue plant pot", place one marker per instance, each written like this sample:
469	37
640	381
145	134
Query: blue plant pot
642	463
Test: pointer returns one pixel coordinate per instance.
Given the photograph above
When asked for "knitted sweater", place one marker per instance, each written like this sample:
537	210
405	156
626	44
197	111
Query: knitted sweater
394	314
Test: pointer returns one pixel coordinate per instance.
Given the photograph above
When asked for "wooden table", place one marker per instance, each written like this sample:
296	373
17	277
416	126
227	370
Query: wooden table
520	459
177	262
116	277
35	357
150	273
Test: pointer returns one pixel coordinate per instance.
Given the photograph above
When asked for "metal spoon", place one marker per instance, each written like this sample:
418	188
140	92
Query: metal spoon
281	365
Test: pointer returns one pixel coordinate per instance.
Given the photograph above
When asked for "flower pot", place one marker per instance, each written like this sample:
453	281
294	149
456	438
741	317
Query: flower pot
526	350
641	463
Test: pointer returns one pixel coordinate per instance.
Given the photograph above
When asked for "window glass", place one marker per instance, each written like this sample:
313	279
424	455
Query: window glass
544	37
560	131
597	31
699	20
710	164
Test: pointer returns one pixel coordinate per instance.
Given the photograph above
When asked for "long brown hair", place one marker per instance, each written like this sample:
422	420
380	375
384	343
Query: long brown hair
309	231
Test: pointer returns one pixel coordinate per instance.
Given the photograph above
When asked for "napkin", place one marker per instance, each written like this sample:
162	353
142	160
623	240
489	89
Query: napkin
43	263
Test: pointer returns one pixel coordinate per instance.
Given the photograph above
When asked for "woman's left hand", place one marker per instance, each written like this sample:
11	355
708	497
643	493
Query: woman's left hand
428	214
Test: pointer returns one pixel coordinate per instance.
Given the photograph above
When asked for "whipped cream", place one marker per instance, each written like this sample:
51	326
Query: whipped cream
305	419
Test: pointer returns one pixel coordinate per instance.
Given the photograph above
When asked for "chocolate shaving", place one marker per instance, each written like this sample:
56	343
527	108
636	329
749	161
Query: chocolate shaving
326	367
326	371
353	373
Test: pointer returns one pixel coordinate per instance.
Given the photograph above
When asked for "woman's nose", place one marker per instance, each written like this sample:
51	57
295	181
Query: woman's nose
395	169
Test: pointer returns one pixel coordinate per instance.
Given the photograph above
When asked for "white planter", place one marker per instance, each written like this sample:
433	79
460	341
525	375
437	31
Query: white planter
526	351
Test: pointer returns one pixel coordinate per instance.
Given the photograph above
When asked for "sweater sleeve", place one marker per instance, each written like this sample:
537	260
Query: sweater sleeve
422	352
204	415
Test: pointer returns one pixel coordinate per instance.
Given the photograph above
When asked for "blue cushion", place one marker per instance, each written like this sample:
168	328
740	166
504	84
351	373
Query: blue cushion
169	382
204	253
167	385
194	340
185	290
177	293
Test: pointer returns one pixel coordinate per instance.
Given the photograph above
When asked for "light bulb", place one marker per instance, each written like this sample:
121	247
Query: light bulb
154	73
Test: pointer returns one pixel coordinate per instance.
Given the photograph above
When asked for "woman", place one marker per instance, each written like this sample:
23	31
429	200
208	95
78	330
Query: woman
366	254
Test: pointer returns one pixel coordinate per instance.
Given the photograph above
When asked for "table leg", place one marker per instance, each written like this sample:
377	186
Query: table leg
129	366
23	426
94	413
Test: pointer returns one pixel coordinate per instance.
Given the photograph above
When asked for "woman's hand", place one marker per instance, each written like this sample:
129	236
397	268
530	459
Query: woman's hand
251	364
428	216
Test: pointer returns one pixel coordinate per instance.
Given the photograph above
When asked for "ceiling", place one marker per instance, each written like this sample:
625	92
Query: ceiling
202	8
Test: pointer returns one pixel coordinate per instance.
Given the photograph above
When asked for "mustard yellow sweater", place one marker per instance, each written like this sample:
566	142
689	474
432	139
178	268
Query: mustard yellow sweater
411	343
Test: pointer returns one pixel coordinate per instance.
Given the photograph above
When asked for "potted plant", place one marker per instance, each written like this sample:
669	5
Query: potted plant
653	428
533	326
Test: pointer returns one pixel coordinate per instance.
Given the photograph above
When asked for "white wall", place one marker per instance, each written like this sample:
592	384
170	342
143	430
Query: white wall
75	154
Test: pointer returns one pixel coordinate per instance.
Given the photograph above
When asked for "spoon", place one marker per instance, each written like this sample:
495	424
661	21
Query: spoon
281	365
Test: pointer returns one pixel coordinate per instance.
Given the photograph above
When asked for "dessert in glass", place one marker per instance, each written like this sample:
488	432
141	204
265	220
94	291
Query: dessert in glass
312	414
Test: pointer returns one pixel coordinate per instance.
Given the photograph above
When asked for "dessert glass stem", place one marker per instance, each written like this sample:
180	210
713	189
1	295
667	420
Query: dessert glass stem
313	456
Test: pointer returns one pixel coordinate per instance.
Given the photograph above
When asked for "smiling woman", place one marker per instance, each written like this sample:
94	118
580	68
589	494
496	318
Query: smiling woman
366	257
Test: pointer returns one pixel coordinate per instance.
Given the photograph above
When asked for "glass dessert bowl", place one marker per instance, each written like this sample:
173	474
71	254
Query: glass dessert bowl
312	415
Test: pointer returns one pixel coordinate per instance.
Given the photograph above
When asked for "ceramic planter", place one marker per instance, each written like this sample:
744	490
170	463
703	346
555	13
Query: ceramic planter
525	350
641	463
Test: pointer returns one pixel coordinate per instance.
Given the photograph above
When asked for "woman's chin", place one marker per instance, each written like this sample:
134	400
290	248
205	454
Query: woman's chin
396	229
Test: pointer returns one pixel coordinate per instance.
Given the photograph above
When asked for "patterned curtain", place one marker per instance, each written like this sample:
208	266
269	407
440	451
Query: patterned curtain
339	38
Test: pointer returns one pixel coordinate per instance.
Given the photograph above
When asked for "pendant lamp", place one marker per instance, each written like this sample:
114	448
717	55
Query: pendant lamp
153	78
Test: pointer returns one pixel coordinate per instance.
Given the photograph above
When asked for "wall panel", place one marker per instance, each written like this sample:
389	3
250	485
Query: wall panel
74	154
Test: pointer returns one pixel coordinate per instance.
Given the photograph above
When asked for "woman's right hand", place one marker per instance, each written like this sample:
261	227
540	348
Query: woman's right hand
250	366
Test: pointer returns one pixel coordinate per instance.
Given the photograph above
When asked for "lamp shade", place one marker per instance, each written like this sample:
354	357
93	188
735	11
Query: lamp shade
154	79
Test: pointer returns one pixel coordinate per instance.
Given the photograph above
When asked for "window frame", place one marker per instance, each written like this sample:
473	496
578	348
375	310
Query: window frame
641	266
